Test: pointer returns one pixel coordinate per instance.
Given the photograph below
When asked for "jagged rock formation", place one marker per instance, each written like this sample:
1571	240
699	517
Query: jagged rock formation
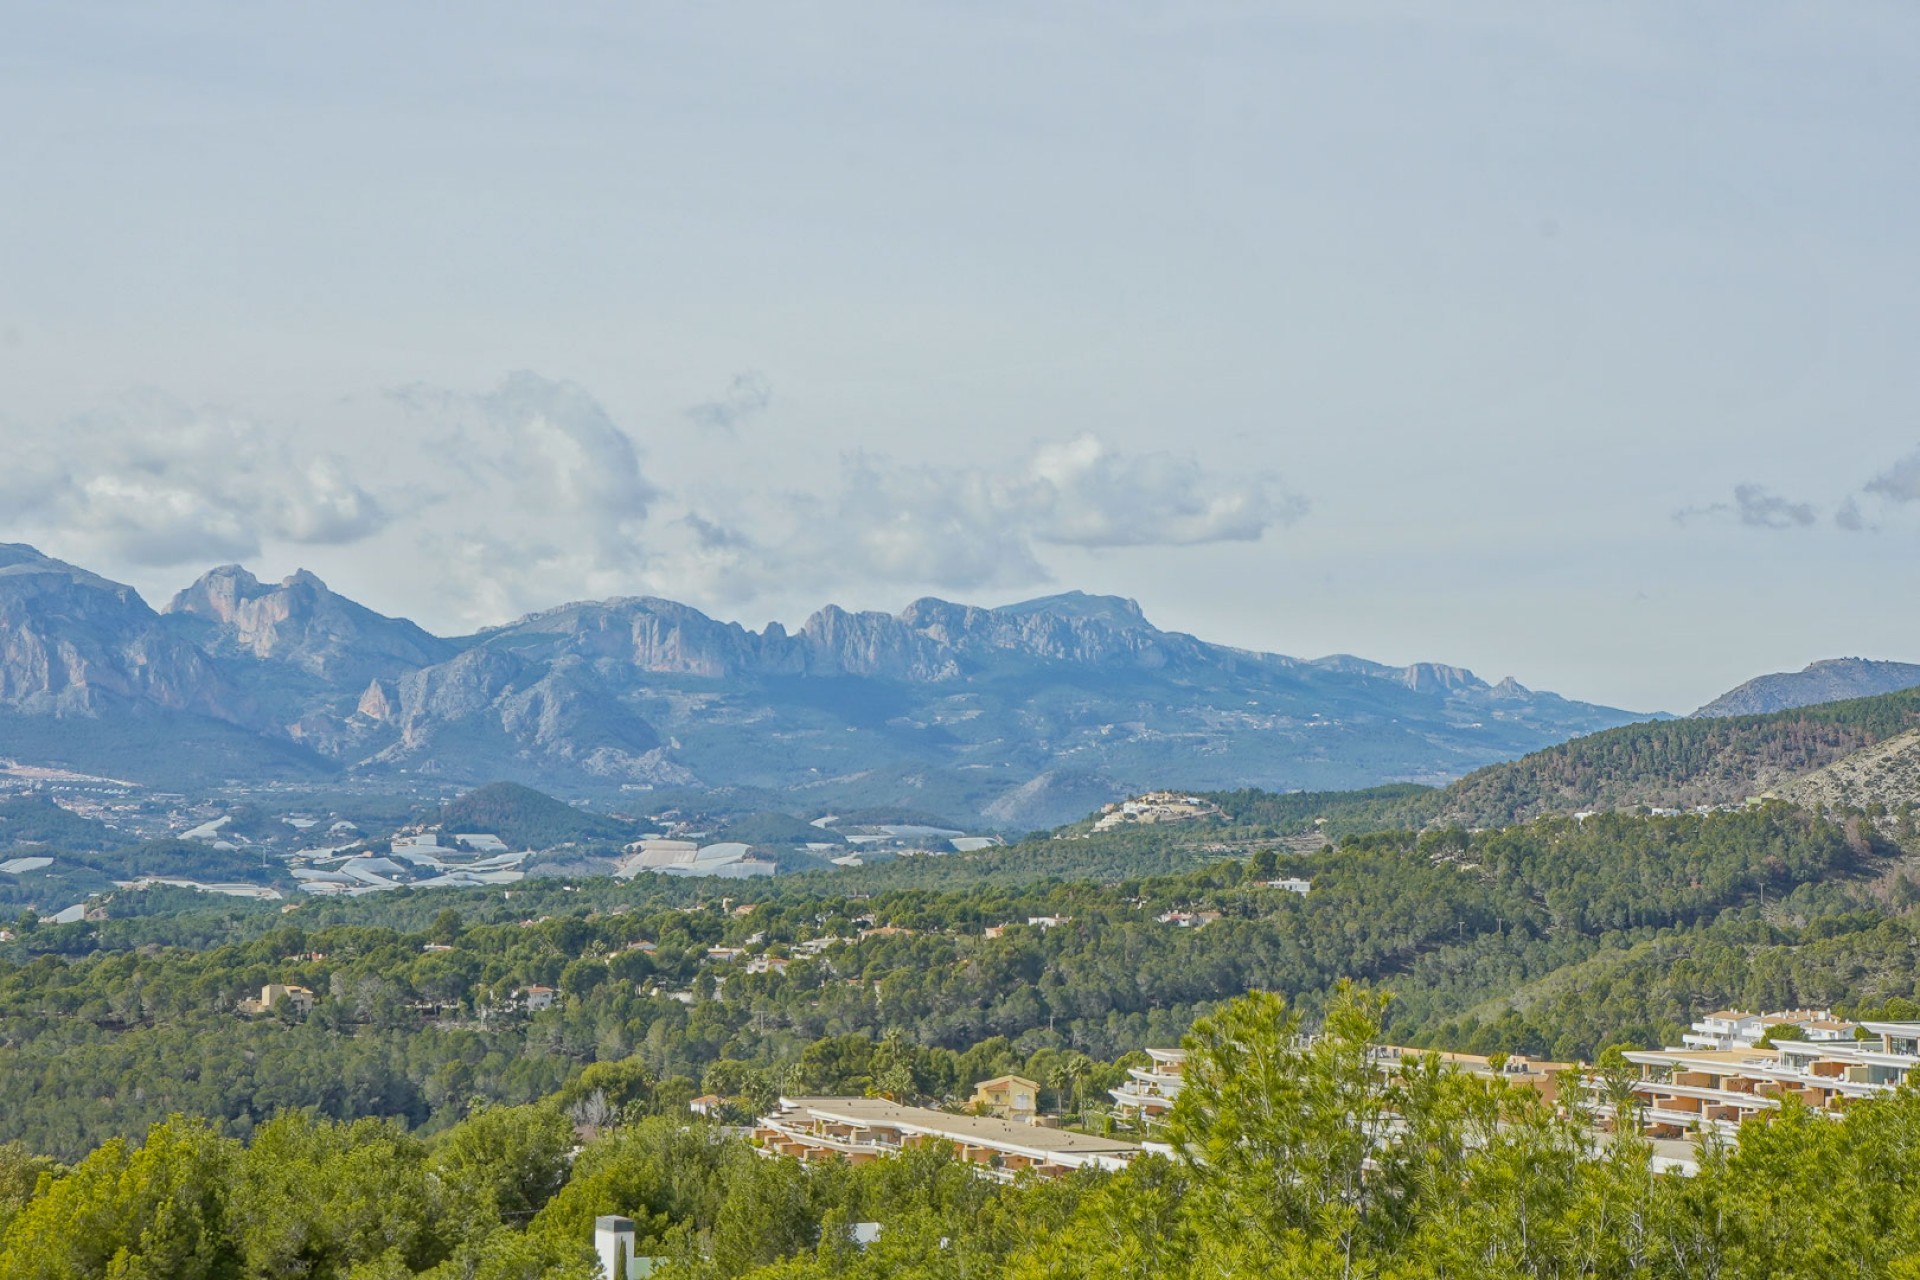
73	643
1832	680
300	623
1024	714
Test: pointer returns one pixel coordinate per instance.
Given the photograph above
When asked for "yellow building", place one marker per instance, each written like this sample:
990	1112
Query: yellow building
1009	1097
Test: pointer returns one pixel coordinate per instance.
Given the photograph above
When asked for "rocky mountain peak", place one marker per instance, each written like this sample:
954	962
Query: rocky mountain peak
874	644
218	594
1117	611
1047	704
1434	677
72	642
26	570
646	633
301	622
16	553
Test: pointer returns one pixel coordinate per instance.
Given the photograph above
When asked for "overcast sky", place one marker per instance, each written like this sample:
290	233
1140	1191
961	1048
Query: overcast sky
1571	342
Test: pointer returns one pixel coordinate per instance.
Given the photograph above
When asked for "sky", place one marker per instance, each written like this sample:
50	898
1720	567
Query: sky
1567	342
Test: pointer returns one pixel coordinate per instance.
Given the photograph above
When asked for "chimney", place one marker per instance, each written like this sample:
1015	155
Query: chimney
613	1242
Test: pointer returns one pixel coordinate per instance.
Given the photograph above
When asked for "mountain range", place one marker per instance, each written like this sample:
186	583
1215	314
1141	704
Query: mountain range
1018	716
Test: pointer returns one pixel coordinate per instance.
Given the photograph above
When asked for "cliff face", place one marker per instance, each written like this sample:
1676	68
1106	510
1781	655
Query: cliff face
929	641
878	645
494	706
1071	628
73	643
302	624
648	635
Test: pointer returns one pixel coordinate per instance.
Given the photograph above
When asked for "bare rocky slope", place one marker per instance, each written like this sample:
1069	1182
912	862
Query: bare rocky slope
1886	773
301	624
73	643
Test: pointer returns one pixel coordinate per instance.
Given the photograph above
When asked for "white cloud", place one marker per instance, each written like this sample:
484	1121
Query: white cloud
544	497
965	527
1093	496
156	482
545	450
465	509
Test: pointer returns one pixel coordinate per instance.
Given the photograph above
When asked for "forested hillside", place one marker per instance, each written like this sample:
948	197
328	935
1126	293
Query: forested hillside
34	819
108	1026
417	1118
1289	1159
1678	763
529	819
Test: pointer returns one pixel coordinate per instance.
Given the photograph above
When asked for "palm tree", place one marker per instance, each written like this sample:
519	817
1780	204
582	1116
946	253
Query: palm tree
1066	1076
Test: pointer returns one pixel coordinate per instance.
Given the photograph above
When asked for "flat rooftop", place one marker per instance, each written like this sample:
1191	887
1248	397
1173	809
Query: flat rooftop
868	1113
1517	1064
1719	1057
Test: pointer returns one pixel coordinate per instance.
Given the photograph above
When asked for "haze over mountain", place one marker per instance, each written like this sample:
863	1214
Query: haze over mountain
1831	680
1023	715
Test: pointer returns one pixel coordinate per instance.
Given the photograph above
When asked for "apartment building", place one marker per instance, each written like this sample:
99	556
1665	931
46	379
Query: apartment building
1149	1092
1696	1090
860	1130
1736	1028
1538	1074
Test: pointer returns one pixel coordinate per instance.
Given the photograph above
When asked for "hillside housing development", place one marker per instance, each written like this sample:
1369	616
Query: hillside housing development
1150	1091
1154	806
1735	1066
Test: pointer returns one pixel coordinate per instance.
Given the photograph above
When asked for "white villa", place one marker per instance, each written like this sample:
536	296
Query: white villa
1736	1029
1149	1092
